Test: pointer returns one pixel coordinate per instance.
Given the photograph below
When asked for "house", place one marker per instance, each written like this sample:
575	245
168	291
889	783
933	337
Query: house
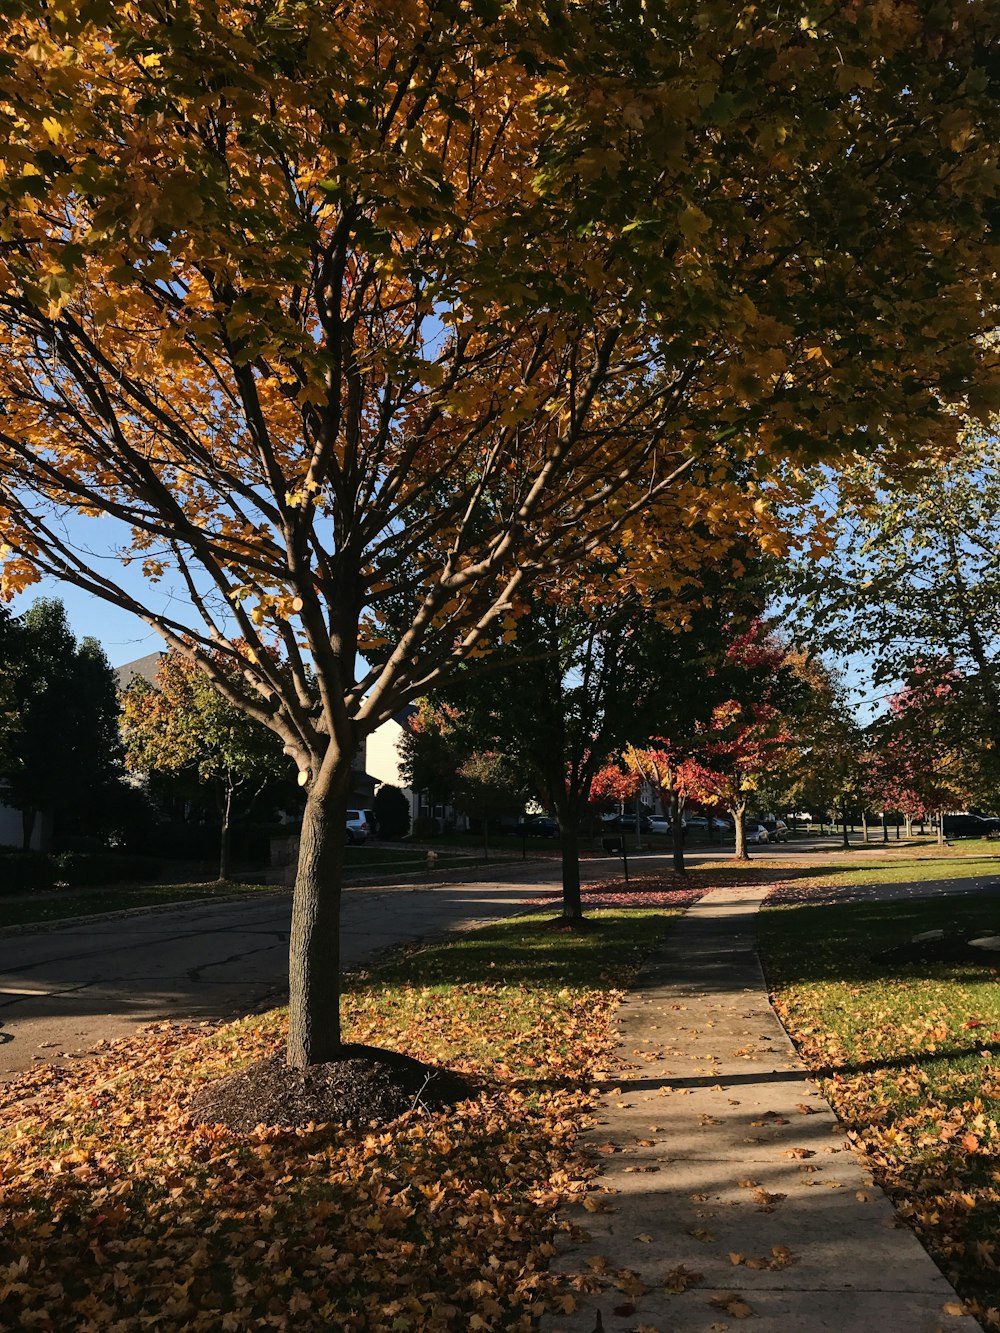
384	760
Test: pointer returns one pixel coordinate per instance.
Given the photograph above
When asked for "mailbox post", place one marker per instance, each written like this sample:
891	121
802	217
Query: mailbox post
616	847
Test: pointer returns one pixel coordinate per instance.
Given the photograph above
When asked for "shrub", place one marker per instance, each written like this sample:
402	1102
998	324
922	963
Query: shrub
27	872
392	811
33	872
79	869
425	826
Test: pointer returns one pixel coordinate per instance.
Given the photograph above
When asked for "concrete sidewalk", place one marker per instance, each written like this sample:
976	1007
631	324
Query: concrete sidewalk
730	1192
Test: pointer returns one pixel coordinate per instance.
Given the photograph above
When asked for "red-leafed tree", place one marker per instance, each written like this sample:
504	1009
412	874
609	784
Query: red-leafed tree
668	773
747	736
918	765
613	783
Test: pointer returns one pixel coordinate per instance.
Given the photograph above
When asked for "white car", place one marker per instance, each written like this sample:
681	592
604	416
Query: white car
658	824
757	835
357	827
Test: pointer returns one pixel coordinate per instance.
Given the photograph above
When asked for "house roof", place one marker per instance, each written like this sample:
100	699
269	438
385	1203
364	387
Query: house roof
146	667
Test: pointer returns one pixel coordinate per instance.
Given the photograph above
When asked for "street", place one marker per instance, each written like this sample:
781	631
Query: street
63	989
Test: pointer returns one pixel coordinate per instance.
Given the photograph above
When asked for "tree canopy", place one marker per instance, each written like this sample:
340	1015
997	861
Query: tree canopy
395	313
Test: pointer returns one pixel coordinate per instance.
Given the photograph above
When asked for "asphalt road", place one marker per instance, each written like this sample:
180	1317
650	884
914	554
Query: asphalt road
64	989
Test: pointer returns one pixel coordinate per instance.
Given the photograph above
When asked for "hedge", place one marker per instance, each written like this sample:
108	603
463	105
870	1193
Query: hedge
30	872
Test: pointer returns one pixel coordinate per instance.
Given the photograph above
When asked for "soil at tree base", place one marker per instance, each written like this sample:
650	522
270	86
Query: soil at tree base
366	1084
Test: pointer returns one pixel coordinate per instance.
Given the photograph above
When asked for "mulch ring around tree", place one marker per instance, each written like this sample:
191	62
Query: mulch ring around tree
367	1084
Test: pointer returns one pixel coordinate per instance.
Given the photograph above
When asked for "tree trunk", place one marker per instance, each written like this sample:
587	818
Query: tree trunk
864	825
737	812
898	822
569	838
225	840
940	829
677	832
843	824
909	826
28	817
885	828
314	944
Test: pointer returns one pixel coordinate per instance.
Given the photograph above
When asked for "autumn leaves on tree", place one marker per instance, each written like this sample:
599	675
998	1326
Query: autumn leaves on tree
365	324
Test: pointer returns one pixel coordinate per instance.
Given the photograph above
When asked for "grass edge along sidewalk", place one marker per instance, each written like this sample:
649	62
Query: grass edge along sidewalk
116	1208
905	1038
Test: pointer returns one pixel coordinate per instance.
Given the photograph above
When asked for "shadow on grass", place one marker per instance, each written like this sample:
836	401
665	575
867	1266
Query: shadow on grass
526	951
841	941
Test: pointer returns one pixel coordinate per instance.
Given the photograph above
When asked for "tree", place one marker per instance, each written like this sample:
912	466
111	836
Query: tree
181	724
827	766
431	750
577	684
670	774
419	306
747	736
63	751
917	761
488	780
912	577
9	665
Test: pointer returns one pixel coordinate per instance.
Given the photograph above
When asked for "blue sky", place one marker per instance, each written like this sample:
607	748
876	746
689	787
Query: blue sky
123	636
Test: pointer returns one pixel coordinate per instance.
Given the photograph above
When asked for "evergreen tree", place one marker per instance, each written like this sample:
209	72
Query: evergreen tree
63	751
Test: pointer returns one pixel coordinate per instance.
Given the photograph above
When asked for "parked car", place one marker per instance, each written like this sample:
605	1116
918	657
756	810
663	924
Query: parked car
778	831
757	835
659	824
971	826
357	827
706	823
538	826
627	822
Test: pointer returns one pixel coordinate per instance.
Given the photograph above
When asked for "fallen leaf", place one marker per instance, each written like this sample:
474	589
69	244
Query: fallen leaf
681	1278
733	1304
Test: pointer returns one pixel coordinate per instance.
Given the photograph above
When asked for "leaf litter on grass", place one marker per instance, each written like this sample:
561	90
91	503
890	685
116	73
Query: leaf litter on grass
118	1210
909	1053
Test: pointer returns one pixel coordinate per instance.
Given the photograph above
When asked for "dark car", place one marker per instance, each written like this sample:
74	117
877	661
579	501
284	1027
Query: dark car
538	826
971	826
627	823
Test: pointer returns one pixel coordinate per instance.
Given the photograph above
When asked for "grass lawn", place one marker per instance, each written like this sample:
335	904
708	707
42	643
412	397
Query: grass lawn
117	1212
64	904
909	1053
358	860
